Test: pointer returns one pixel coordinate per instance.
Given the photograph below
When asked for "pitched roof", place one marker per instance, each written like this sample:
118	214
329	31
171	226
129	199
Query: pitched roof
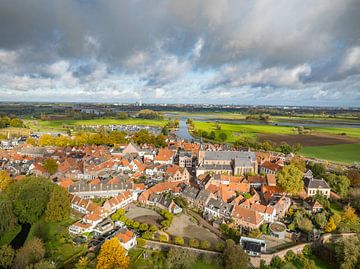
247	215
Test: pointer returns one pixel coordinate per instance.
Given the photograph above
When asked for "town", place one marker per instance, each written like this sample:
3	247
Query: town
251	208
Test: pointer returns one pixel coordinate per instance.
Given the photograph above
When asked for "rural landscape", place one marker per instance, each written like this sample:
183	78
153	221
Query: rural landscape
179	134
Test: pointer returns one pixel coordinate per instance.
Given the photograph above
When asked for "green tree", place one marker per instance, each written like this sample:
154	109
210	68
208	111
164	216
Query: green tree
58	207
222	137
234	256
153	228
30	197
178	240
8	219
205	244
143	227
50	166
7	254
44	264
290	179
318	169
141	242
321	219
339	183
347	252
180	259
194	243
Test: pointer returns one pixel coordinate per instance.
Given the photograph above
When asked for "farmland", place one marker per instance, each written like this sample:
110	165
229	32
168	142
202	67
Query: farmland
346	153
62	125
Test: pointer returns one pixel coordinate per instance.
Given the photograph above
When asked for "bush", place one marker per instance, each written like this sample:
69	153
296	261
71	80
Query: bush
219	246
205	244
147	235
178	240
194	243
143	227
141	242
163	238
165	223
153	228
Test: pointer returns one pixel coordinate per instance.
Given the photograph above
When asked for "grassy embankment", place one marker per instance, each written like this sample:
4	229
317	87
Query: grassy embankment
62	125
345	153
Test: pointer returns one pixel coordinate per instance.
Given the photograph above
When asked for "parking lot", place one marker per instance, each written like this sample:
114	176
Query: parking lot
144	215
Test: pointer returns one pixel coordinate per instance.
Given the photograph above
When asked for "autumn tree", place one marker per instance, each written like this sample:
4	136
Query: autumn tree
32	252
5	180
58	207
348	252
7	254
234	256
290	179
321	219
50	166
339	183
349	214
112	255
330	225
299	163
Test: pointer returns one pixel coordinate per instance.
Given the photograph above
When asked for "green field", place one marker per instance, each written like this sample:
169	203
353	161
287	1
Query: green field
61	125
352	132
345	153
234	131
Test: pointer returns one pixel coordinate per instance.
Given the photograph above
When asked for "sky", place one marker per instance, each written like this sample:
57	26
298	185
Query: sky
265	52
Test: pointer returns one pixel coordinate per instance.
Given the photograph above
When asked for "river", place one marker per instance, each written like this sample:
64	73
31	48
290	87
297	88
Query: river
20	238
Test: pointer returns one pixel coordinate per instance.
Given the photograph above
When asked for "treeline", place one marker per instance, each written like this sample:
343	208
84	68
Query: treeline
6	121
284	147
103	137
150	114
260	117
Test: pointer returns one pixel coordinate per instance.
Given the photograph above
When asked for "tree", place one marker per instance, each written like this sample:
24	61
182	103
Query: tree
143	227
82	263
290	179
112	255
330	225
153	228
339	183
58	208
147	235
194	243
178	240
305	224
50	166
354	176
44	264
165	223
30	197
347	252
321	219
5	180
234	256
276	262
7	254
136	225
219	246
299	163
163	238
32	252
349	214
318	169
180	259
7	219
205	244
222	137
141	242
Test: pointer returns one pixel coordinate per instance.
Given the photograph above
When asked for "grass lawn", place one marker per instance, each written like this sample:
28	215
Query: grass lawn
234	131
335	208
8	236
352	132
61	125
345	153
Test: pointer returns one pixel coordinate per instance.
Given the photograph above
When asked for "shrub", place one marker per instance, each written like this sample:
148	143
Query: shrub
205	244
143	227
163	238
194	243
141	242
147	235
219	246
178	240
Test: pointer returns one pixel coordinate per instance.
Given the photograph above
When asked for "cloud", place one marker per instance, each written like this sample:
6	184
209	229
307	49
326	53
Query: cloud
190	50
351	60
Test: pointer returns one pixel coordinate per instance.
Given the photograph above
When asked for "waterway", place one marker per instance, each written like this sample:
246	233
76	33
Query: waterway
20	238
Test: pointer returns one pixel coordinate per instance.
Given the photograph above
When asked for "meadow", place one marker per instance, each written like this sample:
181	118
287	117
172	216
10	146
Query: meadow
345	153
62	125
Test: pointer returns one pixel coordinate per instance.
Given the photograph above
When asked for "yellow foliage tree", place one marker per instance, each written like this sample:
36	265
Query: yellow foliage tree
349	214
5	180
330	226
112	255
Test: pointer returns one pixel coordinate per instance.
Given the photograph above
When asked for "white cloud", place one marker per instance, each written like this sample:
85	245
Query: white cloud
351	60
198	48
